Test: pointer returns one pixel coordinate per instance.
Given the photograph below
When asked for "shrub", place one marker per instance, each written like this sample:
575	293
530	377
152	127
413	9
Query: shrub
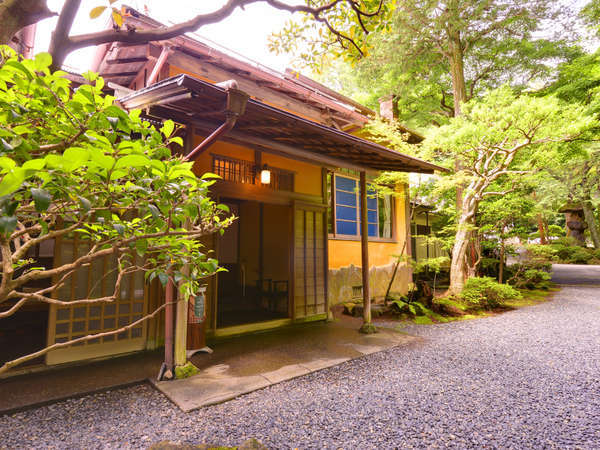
487	292
542	252
530	275
580	255
532	279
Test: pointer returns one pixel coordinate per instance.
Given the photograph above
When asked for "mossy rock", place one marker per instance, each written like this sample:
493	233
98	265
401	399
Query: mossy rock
185	371
368	328
349	308
422	320
379	310
448	307
400	307
417	309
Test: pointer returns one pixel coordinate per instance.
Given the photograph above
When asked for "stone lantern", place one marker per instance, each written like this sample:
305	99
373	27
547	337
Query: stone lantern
575	221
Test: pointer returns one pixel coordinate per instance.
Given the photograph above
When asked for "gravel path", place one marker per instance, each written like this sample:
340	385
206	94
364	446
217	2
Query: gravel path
525	379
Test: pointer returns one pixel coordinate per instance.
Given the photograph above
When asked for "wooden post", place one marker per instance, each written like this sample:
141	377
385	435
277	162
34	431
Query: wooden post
181	320
167	369
367	326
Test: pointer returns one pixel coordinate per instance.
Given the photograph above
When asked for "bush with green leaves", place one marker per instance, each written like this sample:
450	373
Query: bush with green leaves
531	274
487	293
542	252
73	165
533	279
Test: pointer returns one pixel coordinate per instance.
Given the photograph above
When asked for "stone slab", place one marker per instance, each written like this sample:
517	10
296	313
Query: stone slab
248	363
200	390
286	373
322	363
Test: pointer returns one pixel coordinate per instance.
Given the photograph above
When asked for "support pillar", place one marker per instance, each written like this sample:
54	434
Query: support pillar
181	326
367	326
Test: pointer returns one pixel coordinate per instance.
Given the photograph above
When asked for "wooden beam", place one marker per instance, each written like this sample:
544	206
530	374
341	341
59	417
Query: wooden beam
367	326
288	150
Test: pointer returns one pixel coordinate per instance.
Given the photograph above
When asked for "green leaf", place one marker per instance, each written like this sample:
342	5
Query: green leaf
223	207
75	157
176	140
8	224
6	163
210	176
167	128
119	228
164	278
41	199
20	67
34	164
43	61
141	247
85	204
21	129
132	161
11	182
154	211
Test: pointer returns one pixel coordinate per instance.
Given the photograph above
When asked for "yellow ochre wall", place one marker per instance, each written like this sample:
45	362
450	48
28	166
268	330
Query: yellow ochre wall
308	179
345	260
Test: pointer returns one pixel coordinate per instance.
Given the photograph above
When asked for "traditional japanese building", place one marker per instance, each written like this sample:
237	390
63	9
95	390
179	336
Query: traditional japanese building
293	171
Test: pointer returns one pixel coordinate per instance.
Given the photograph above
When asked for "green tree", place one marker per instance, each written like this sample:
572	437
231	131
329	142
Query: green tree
578	81
495	140
75	166
441	51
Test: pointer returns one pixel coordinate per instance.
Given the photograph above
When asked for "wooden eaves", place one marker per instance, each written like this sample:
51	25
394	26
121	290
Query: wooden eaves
199	104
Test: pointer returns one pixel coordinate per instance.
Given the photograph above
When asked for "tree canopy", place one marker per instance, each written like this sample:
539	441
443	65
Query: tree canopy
74	166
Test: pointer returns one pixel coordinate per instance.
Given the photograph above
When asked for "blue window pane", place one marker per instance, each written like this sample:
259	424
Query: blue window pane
346	227
372	216
345	198
373	229
347	184
345	212
372	203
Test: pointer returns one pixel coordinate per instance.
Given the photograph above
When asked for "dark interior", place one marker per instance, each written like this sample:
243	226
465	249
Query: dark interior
255	252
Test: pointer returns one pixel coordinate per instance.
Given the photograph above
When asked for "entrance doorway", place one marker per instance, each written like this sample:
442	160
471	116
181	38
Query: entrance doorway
255	250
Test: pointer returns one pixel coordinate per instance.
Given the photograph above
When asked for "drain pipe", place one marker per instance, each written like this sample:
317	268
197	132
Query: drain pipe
236	106
166	371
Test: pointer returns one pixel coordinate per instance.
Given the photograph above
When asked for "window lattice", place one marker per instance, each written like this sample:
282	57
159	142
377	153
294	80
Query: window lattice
245	172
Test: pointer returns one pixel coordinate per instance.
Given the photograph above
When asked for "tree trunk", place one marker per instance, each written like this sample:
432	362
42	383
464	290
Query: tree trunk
502	258
17	14
457	71
588	213
459	93
542	230
458	266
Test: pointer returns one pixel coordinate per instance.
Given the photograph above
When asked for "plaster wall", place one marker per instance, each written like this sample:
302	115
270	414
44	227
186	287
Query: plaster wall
345	260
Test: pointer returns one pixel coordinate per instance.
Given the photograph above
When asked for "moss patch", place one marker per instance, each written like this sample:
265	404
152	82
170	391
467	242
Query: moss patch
423	320
529	298
185	371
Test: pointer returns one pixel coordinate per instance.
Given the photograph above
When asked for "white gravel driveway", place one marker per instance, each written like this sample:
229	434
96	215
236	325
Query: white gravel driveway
525	379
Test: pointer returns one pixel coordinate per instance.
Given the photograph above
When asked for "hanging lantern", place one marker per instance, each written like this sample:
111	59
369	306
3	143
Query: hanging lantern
265	175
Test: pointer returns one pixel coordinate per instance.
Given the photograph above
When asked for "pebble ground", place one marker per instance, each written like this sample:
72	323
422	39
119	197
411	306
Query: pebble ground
524	379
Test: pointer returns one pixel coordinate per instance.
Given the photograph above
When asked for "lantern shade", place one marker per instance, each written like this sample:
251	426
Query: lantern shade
265	176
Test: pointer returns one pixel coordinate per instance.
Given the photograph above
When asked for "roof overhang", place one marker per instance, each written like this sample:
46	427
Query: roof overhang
194	102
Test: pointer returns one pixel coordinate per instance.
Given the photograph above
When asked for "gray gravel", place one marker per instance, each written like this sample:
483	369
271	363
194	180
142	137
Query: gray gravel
525	379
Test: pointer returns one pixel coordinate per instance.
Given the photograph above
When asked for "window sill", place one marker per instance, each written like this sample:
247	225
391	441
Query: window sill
341	237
